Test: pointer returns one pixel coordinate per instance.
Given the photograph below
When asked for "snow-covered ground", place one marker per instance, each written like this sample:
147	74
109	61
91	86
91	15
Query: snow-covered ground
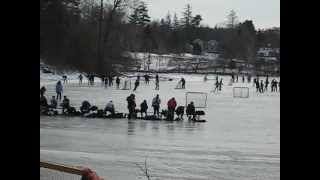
240	140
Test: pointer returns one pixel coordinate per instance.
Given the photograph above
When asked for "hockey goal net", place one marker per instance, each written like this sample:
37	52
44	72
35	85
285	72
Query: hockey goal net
54	171
240	92
198	98
125	84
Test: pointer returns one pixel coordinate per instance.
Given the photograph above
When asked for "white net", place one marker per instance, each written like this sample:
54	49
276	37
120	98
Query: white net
179	85
241	92
198	98
125	84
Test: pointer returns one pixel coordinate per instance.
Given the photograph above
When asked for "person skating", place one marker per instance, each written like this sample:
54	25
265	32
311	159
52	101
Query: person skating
257	85
110	80
131	106
261	86
80	79
156	101
266	84
191	111
216	88
146	78
64	77
136	84
171	108
157	82
118	82
59	90
232	78
220	84
106	82
144	108
110	108
183	83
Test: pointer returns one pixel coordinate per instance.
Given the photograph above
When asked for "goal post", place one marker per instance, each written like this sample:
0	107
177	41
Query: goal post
198	98
126	84
240	92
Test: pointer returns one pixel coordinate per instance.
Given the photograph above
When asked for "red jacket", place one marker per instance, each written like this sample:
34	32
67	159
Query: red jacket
172	103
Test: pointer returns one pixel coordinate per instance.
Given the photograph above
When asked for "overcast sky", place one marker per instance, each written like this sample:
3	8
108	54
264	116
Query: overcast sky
263	13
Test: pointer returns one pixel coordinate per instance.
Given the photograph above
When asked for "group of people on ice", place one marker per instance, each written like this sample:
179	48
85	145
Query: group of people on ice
86	108
169	113
262	86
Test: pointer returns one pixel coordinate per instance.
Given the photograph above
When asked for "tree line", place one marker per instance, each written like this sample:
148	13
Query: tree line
93	36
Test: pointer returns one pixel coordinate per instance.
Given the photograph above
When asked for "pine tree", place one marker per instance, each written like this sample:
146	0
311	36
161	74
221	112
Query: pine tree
187	17
175	24
140	15
144	18
168	21
196	20
134	17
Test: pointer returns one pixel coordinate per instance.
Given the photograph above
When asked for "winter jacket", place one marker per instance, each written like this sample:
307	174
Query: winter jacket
172	103
59	88
156	101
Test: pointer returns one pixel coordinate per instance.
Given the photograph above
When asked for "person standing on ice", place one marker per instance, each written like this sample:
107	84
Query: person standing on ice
156	101
118	82
183	83
232	77
157	82
266	84
80	79
110	80
261	86
216	88
237	78
220	84
106	82
64	77
257	85
172	103
243	79
131	105
136	84
59	90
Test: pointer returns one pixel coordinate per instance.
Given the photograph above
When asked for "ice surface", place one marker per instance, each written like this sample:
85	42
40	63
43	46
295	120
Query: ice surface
241	139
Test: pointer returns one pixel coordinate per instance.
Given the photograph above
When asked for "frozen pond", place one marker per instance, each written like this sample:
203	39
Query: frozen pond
240	140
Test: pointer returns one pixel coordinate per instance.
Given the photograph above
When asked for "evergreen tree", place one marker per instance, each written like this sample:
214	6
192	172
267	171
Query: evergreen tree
175	24
196	20
187	17
134	17
168	21
140	15
144	18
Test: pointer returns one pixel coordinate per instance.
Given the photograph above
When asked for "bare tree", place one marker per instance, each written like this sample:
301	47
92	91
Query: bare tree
232	19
